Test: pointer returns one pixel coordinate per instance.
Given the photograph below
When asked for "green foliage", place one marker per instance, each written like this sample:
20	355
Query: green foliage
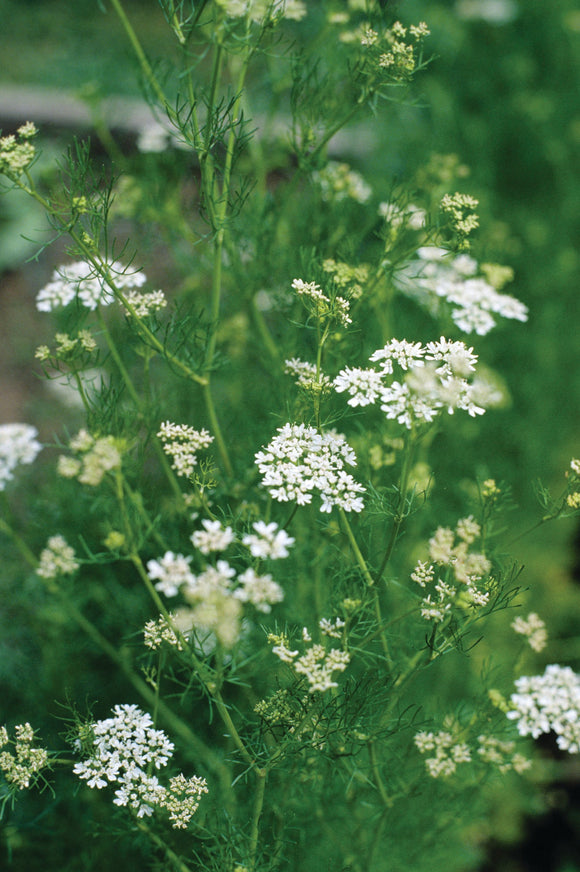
306	615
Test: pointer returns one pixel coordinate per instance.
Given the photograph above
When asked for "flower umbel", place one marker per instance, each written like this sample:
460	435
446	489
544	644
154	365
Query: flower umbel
301	461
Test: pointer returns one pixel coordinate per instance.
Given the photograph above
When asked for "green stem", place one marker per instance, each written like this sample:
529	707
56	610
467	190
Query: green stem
357	552
176	861
216	429
255	828
400	512
174	722
141	56
138	404
21	545
387	801
227	719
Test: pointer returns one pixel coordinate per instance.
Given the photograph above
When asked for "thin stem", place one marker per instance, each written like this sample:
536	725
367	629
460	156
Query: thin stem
227	719
141	56
255	828
21	545
400	514
387	801
138	404
357	552
177	862
216	429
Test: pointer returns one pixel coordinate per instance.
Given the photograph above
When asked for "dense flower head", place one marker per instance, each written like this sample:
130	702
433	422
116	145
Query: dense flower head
549	703
534	630
17	152
58	558
318	663
213	537
259	590
267	541
182	443
96	456
436	278
451	750
122	750
434	378
216	594
337	182
18	444
306	374
142	304
20	765
321	306
83	282
300	461
170	573
456	574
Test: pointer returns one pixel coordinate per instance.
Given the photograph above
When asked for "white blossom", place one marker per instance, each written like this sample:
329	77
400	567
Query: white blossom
58	558
435	277
549	703
534	629
268	541
182	443
213	537
18	444
171	572
82	281
301	461
259	590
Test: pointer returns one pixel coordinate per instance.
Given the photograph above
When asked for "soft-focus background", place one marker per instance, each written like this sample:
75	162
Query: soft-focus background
502	95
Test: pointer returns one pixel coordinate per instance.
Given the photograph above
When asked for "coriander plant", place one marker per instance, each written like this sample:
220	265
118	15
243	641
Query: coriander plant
279	630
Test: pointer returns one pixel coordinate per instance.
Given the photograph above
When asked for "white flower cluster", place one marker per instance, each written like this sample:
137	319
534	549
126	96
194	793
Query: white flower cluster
321	306
17	152
83	282
462	570
301	461
182	444
155	633
317	664
216	593
337	181
22	766
460	209
98	456
261	11
144	304
18	445
58	558
549	703
267	541
436	277
435	378
123	749
450	751
306	375
534	629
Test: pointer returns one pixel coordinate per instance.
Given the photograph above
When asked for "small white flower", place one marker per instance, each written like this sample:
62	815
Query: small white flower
268	541
301	461
18	444
259	590
171	572
213	537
